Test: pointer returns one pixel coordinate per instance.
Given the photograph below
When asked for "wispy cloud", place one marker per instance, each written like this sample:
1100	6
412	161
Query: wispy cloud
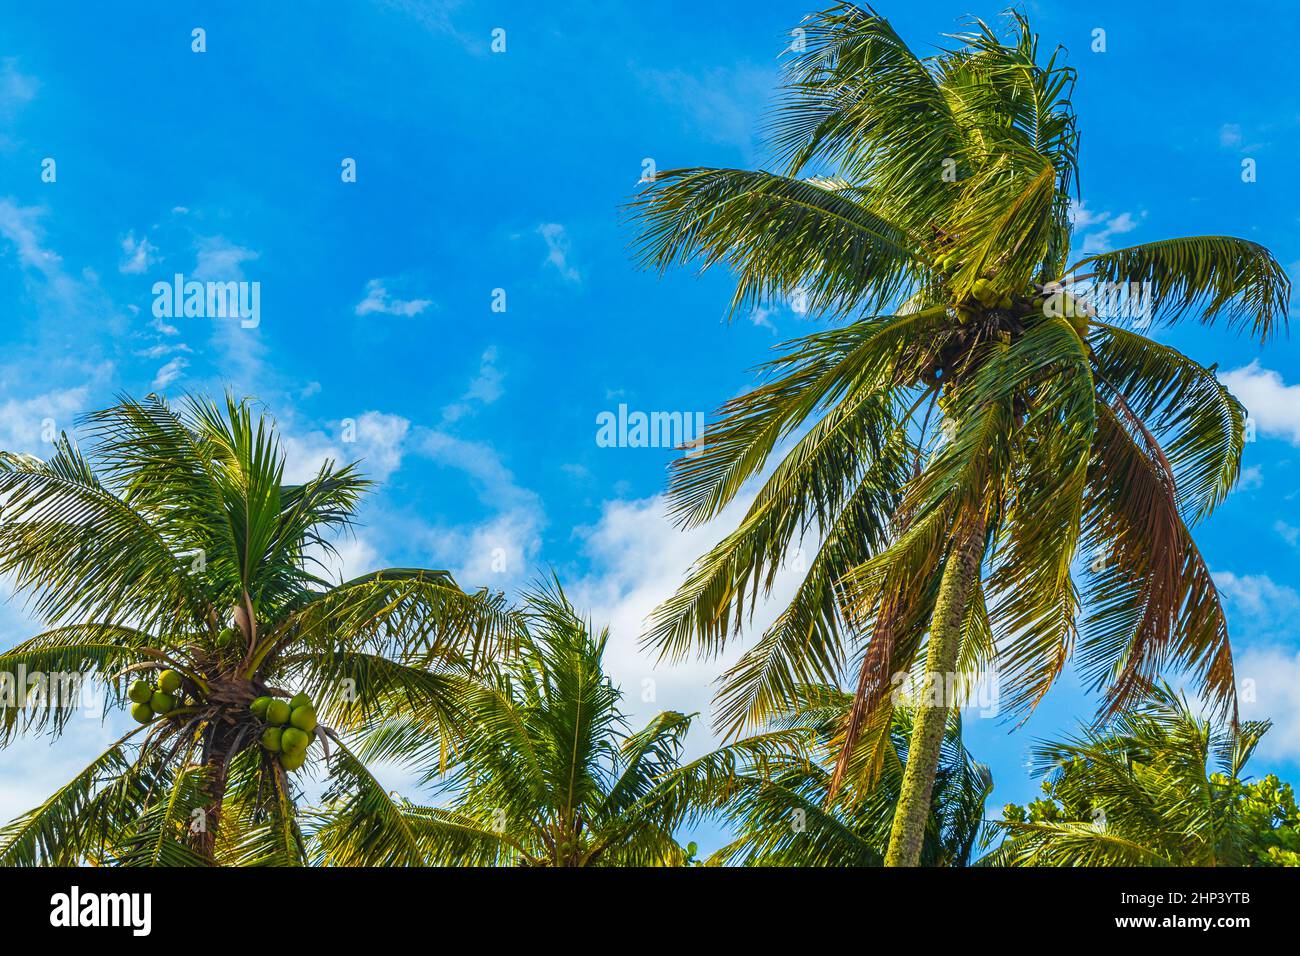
1099	228
17	89
379	301
558	248
484	389
137	255
169	373
220	260
376	439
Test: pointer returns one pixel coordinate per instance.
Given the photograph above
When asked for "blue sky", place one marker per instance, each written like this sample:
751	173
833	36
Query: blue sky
479	171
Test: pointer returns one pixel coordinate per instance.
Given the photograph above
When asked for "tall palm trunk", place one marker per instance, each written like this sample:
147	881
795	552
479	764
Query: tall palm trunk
908	831
216	762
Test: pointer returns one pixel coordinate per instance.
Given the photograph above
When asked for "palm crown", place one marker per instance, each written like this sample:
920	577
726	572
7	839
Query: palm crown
539	769
177	546
781	808
1159	785
973	424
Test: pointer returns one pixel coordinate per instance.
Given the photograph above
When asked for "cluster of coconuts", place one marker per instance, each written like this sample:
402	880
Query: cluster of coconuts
149	701
988	296
983	289
290	727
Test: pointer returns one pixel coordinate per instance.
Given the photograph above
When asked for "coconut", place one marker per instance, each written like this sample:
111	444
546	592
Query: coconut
161	702
277	712
293	739
984	291
299	700
169	682
293	760
140	692
304	718
258	707
271	739
142	712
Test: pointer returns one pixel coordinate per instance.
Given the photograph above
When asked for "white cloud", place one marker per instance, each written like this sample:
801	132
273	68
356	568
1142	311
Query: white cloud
638	559
352	556
1251	478
24	423
377	440
1230	135
1290	533
762	317
21	226
220	260
169	373
1269	678
16	89
137	256
1271	403
1258	597
484	389
558	248
163	348
1101	228
378	300
498	552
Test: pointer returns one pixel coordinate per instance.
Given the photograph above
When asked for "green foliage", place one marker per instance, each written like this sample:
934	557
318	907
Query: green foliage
921	202
1157	786
175	561
781	806
535	767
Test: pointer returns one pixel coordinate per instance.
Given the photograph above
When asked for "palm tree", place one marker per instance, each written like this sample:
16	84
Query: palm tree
1144	791
539	768
785	816
176	553
971	425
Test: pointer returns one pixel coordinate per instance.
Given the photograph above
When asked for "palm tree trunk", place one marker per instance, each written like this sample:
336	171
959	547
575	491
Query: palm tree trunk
908	831
216	759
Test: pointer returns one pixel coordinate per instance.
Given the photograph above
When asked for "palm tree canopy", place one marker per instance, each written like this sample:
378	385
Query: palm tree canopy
781	806
541	768
924	203
1157	786
175	544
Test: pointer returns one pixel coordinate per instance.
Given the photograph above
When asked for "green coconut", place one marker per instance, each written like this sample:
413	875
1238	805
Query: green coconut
143	713
161	702
271	739
984	291
304	718
293	760
140	692
278	712
299	700
293	739
258	707
169	681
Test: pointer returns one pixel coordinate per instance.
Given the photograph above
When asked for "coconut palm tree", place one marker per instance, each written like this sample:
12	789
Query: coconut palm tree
782	809
972	427
539	769
174	553
1157	786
